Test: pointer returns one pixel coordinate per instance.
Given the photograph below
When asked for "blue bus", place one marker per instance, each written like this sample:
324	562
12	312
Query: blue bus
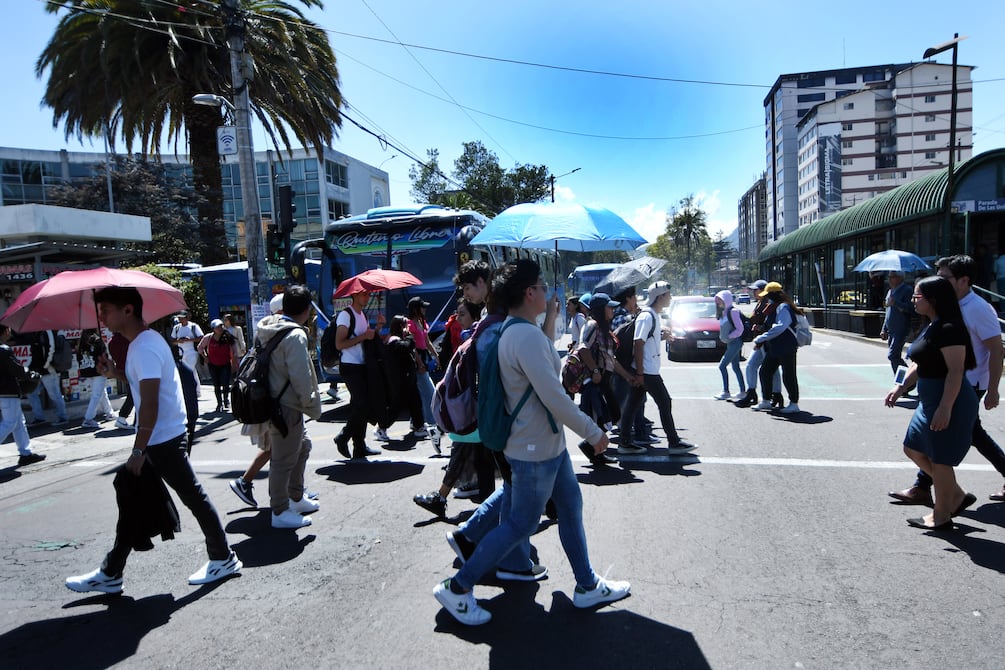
585	277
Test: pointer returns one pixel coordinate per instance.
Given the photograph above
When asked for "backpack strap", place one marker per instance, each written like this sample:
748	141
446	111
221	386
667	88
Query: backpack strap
270	347
530	387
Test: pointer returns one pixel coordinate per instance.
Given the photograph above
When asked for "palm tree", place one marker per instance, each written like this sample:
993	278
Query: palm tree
687	227
131	67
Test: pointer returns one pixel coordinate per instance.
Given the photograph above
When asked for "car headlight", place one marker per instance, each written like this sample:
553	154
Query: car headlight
678	332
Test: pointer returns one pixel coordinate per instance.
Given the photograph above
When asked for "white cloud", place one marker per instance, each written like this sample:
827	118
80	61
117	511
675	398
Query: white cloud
564	194
718	221
649	221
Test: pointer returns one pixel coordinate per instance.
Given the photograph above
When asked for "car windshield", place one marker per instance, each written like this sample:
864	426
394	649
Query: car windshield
693	310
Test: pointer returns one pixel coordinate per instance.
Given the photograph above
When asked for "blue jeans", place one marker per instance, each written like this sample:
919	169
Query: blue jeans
489	516
51	383
896	349
425	385
533	483
12	421
753	366
731	357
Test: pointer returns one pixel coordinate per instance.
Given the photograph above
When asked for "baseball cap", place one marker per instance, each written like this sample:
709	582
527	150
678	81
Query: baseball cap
215	322
770	288
656	289
603	297
417	301
586	298
276	304
758	285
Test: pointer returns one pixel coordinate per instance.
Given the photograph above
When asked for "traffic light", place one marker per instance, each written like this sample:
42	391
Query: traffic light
286	209
275	245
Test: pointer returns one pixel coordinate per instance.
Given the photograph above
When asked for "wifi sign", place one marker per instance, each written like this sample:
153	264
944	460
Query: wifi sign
226	140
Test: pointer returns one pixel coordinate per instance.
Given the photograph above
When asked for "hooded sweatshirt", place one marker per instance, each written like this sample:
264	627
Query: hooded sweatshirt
729	314
291	362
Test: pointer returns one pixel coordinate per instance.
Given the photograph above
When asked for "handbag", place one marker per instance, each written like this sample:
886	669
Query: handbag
574	373
28	385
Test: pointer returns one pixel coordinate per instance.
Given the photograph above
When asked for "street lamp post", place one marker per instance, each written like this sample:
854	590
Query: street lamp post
929	52
553	178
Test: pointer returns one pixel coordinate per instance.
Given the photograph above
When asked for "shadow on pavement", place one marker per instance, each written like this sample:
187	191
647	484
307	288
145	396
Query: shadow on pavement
522	635
95	639
369	472
679	466
266	545
984	553
9	474
608	476
802	417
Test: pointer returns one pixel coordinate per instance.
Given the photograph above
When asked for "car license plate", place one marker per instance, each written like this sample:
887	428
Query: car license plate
706	344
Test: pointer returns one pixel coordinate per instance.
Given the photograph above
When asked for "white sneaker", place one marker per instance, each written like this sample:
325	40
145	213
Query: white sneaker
381	435
216	570
762	406
311	495
304	506
122	422
603	592
420	433
434	437
722	396
791	408
739	396
89	423
290	519
462	607
94	581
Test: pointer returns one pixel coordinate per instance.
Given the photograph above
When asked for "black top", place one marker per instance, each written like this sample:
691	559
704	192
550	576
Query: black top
926	350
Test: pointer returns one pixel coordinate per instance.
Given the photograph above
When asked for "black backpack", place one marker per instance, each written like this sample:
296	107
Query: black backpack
748	330
331	355
250	398
625	353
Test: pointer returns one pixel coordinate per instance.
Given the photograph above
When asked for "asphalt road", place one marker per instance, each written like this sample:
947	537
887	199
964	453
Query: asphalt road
775	546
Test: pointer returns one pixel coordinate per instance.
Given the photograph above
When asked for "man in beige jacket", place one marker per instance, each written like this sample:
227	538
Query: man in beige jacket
293	381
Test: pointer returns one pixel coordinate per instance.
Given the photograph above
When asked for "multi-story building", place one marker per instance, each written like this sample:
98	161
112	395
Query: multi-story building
752	221
903	112
337	185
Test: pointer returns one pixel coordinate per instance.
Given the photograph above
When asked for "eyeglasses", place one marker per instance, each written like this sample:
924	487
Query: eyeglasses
917	296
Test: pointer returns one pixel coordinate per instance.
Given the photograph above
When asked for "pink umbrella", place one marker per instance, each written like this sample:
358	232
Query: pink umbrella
66	300
375	280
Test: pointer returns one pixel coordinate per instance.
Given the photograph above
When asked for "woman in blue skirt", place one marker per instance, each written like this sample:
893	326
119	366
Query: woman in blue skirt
938	436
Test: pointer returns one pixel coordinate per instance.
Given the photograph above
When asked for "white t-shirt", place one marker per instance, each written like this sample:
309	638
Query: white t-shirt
644	325
576	326
982	322
353	354
150	358
180	332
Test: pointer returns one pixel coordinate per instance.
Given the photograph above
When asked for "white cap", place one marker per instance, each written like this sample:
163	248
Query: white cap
657	289
215	322
276	304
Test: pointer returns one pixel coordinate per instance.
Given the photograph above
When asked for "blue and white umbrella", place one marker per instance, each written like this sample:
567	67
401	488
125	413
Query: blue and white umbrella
562	226
892	260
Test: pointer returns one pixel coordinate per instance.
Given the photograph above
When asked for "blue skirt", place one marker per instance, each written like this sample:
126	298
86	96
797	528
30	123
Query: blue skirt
949	446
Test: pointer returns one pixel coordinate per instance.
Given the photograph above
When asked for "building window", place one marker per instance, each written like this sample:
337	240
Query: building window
846	144
845	78
337	209
847	126
930	137
848	105
847	161
929	154
336	173
929	118
810	97
929	98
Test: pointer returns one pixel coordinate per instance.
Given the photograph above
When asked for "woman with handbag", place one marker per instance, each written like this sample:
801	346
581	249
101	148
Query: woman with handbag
14	385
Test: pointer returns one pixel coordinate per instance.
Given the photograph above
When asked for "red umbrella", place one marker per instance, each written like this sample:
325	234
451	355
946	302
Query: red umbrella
375	280
66	300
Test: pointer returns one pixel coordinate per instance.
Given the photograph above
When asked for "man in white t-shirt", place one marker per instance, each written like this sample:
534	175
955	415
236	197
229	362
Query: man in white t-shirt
352	369
160	437
648	334
186	334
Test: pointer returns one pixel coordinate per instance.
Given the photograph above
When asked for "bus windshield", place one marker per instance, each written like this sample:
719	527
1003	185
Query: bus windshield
585	277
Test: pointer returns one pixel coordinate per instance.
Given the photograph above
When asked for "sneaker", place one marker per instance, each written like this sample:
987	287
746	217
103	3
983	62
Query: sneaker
289	519
432	502
420	433
122	422
216	570
364	452
645	439
35	422
343	447
603	592
332	393
461	545
434	437
304	506
463	606
243	490
535	574
722	396
28	459
89	423
94	581
738	397
311	495
381	435
681	447
465	491
631	449
762	406
791	408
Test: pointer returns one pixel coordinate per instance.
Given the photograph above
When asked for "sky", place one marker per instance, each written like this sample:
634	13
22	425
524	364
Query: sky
673	105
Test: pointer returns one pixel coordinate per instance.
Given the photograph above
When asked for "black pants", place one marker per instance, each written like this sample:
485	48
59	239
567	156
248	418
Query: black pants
462	453
127	404
172	464
408	398
354	376
981	441
220	374
787	361
654	386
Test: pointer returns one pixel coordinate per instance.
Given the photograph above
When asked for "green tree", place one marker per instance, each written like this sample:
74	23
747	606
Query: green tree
428	182
192	289
131	67
144	188
687	228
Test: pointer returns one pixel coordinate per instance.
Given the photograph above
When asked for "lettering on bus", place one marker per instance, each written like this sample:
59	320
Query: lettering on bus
364	242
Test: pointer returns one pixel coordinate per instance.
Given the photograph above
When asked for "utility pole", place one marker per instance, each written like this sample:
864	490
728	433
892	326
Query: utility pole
241	73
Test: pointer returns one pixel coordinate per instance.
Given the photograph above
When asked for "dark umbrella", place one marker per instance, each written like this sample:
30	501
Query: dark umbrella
619	280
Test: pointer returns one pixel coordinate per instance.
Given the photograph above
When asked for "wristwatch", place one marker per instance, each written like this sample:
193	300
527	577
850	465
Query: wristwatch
138	452
595	370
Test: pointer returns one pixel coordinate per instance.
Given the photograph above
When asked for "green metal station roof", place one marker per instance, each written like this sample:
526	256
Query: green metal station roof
917	199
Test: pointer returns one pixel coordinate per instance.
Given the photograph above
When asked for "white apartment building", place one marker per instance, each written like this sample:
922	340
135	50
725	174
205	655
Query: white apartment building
752	221
886	134
793	96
